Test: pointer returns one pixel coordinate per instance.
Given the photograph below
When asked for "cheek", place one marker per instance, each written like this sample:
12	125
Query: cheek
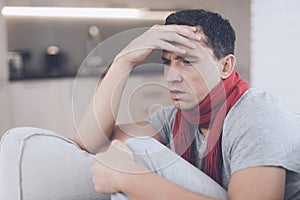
197	86
207	78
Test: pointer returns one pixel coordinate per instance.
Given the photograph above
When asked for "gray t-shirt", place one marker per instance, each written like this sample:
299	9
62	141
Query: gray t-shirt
257	131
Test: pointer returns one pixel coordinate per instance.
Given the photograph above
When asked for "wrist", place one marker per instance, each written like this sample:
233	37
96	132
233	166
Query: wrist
124	62
128	181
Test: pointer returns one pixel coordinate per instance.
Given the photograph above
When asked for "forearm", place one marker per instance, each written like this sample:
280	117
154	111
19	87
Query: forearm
152	186
99	120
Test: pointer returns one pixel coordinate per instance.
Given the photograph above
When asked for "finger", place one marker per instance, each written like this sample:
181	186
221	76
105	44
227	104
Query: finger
174	37
167	46
202	52
160	44
186	31
95	169
122	147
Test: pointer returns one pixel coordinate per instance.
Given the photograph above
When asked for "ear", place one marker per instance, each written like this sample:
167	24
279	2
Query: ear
227	65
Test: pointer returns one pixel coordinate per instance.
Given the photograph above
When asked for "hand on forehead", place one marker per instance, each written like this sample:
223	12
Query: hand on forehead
201	50
201	46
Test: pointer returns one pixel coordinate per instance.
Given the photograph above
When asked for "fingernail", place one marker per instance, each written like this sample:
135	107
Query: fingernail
115	142
198	37
182	51
193	45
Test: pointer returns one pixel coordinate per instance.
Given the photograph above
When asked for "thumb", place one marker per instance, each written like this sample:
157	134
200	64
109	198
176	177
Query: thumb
122	147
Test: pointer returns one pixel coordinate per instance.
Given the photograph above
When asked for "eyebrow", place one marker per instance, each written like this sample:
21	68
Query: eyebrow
185	57
181	57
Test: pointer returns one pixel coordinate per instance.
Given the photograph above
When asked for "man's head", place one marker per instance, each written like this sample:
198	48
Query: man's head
220	36
192	76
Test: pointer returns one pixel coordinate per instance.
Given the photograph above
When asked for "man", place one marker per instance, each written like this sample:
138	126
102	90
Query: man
243	140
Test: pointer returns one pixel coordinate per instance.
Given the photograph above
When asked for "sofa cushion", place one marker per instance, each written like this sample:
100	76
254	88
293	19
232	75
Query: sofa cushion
39	164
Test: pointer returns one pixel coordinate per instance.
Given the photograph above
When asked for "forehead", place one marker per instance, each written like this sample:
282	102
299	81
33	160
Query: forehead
171	55
201	52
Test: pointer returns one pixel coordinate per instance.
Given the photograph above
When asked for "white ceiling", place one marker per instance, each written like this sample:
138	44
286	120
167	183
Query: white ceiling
151	4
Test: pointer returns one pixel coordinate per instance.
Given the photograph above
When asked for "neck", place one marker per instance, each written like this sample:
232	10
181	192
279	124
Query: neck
204	131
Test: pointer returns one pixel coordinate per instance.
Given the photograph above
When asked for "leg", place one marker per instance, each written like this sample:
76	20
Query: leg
157	157
40	164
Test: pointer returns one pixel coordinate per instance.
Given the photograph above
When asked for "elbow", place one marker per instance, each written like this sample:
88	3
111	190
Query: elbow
79	143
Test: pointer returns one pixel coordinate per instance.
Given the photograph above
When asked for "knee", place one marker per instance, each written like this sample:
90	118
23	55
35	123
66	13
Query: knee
151	153
19	134
144	144
31	159
10	134
12	139
10	156
13	142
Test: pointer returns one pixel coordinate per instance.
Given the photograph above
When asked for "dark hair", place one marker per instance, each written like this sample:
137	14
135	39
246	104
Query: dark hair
219	33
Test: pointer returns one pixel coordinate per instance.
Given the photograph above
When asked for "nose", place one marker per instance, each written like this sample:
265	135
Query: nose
172	75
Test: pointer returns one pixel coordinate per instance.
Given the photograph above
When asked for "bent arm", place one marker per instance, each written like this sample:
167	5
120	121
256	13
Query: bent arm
258	183
98	122
97	129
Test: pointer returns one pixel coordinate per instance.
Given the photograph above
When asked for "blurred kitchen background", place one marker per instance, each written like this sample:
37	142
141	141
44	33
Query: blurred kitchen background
40	56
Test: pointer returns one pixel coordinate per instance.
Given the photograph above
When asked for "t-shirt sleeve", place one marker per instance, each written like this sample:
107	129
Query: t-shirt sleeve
162	120
262	135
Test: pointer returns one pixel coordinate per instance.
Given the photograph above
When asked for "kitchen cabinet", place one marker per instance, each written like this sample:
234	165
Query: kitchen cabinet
141	96
49	103
43	103
5	113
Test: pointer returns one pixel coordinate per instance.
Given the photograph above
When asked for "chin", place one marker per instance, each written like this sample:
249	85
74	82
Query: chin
183	105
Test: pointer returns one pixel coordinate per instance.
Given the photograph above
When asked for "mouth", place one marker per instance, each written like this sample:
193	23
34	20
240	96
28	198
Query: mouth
176	94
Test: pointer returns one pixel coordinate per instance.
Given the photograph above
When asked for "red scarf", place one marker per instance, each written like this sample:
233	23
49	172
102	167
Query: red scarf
210	114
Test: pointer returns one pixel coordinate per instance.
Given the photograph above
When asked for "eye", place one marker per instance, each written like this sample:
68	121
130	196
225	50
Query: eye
166	62
187	62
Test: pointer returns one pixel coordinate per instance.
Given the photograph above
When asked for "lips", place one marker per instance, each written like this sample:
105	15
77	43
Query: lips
175	94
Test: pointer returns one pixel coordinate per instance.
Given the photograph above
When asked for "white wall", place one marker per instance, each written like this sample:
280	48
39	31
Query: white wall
5	114
238	13
275	49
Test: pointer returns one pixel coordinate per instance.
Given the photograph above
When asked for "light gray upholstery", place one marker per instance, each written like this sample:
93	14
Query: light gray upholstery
39	164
